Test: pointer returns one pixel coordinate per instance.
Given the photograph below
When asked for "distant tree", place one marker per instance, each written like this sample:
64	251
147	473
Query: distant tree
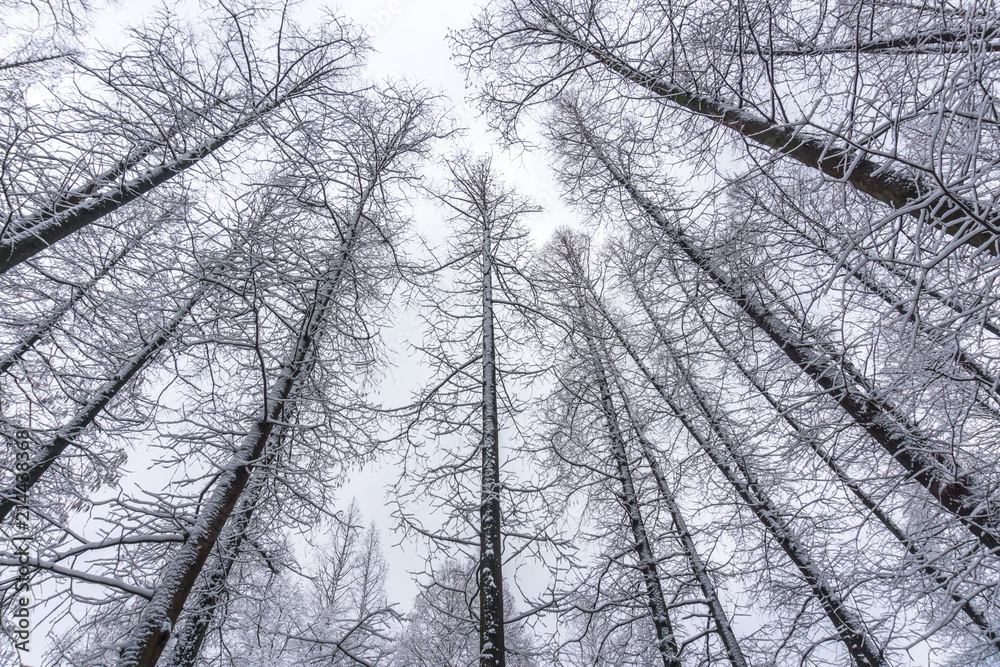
442	628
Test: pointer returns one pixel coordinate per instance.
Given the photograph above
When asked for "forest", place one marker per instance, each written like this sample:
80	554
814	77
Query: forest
743	411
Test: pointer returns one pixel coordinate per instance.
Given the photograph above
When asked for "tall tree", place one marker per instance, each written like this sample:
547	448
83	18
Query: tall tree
486	259
958	491
389	131
193	117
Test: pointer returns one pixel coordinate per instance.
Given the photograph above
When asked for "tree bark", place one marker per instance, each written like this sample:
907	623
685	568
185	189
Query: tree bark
492	649
584	288
666	642
191	636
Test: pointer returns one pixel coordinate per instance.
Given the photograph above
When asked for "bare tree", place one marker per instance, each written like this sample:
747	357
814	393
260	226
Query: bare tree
956	490
211	114
442	627
570	273
487	259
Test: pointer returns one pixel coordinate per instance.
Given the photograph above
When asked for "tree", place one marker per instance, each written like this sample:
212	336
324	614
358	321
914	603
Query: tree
569	273
603	400
319	247
486	257
404	136
192	116
955	489
881	143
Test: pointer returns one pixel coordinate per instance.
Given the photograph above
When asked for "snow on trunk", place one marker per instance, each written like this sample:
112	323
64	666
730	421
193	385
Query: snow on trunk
968	222
27	239
492	649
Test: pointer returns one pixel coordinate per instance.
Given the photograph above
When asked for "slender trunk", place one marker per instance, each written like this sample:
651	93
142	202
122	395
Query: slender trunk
155	625
26	239
45	326
90	188
712	601
492	650
666	642
851	630
956	490
150	635
66	435
584	288
903	191
191	636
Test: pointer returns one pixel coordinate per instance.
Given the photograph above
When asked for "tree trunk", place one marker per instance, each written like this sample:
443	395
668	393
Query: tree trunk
26	239
584	288
712	601
492	650
841	162
859	643
191	636
91	187
100	399
666	642
851	630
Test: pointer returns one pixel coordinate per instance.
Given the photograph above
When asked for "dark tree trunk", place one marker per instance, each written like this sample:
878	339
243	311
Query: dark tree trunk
492	650
903	191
